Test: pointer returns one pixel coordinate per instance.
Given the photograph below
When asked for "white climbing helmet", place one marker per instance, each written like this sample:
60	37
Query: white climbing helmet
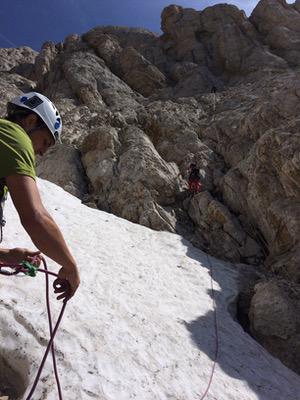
45	109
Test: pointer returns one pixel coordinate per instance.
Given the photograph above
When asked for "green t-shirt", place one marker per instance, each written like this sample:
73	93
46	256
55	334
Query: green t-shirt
16	151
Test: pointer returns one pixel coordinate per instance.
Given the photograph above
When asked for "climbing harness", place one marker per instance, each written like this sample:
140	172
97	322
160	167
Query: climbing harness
31	270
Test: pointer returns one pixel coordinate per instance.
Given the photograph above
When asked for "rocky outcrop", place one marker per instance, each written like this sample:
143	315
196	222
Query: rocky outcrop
20	60
125	165
220	37
11	85
126	62
279	25
272	162
272	314
106	46
225	234
44	60
137	38
139	73
62	165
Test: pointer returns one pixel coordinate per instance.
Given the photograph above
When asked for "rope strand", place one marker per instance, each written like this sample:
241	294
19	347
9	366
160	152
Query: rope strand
18	268
216	330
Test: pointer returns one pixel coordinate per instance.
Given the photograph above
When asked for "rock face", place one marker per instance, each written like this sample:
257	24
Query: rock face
279	25
139	73
273	309
226	235
127	166
138	108
220	37
62	165
20	60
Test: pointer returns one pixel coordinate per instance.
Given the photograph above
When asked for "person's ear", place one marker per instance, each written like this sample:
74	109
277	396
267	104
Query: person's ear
30	122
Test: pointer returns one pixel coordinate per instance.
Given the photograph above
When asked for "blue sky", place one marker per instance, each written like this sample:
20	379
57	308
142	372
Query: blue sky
33	22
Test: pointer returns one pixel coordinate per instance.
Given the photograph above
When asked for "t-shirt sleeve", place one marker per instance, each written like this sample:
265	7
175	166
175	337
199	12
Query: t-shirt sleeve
16	158
18	162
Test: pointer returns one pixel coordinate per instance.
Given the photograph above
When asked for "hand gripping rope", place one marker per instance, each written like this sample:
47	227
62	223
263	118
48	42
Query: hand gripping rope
30	270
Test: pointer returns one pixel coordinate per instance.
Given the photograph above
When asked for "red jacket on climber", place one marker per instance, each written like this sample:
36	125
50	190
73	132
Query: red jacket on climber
194	179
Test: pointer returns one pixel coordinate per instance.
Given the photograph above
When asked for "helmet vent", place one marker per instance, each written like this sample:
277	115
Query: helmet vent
32	103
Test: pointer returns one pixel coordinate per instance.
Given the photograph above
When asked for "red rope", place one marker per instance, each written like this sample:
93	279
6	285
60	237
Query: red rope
216	331
18	268
51	329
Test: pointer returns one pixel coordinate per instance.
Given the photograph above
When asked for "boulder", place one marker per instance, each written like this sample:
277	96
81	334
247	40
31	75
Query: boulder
272	319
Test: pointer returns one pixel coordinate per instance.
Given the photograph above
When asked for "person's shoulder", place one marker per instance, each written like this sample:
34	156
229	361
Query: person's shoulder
14	141
14	134
16	150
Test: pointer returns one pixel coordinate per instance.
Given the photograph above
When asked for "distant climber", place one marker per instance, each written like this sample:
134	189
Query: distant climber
194	179
213	90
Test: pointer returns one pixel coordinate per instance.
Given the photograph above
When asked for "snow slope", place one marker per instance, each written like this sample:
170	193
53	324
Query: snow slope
141	325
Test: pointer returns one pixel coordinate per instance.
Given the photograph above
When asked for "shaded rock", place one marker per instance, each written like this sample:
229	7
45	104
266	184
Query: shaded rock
108	40
181	70
62	166
18	60
272	313
220	232
44	61
127	62
106	46
12	85
276	210
179	40
220	37
100	150
139	73
272	317
173	129
279	24
199	81
137	38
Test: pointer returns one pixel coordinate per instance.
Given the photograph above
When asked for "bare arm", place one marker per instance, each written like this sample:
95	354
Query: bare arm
41	227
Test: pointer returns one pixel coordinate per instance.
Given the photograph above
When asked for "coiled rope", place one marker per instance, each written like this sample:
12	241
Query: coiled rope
29	269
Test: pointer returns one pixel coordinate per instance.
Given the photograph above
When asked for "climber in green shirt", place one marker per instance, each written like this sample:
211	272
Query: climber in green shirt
32	125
